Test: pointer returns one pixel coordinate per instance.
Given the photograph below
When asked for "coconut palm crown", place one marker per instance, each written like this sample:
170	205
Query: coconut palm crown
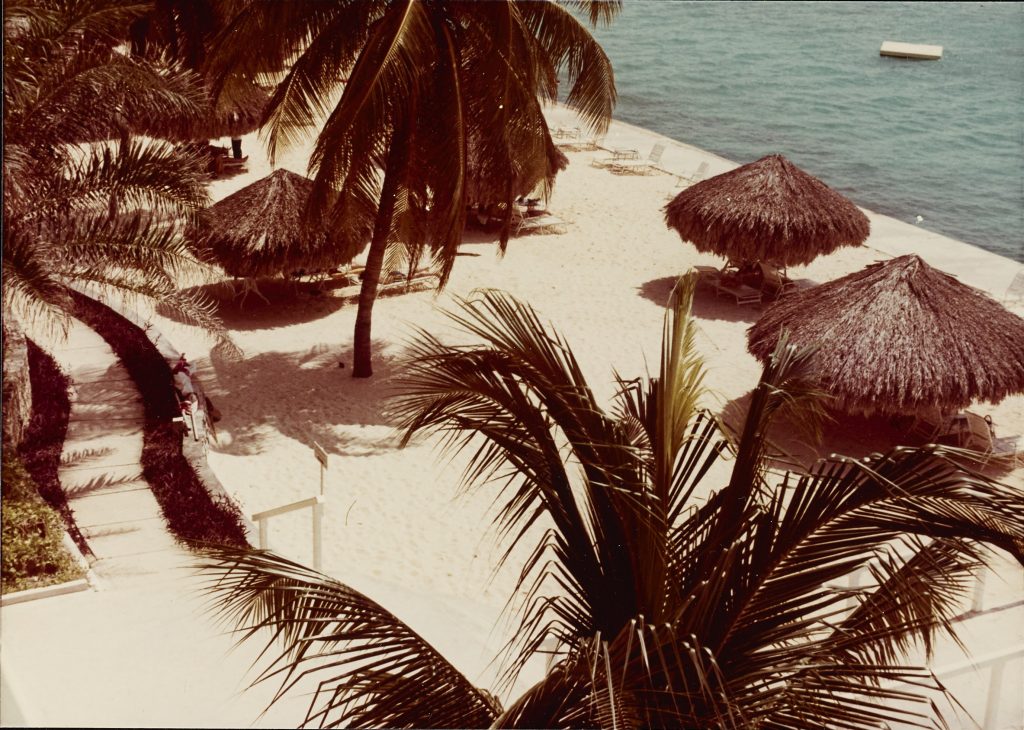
420	84
667	609
83	202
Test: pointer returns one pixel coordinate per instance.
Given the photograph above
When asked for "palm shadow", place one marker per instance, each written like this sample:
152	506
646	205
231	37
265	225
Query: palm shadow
103	482
307	397
476	236
705	304
83	457
278	303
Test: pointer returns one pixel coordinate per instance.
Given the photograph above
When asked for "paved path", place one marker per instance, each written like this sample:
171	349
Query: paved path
100	470
140	651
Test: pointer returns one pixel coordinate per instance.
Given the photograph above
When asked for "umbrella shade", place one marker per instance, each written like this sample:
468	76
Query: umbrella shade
261	230
899	337
768	210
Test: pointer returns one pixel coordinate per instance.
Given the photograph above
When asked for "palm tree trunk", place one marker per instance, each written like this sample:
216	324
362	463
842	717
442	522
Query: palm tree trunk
362	366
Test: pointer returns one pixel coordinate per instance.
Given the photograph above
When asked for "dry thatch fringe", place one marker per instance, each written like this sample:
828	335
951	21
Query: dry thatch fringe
768	210
898	337
261	230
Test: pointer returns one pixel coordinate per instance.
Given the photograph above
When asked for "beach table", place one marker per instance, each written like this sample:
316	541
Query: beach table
625	154
741	292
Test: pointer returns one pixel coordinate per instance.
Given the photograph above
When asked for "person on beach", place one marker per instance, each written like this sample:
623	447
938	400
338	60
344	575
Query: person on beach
183	383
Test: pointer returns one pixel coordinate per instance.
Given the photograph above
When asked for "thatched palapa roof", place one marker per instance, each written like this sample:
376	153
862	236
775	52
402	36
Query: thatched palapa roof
768	210
260	230
898	337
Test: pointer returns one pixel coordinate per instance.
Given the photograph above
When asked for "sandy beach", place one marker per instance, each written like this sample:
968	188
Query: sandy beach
398	526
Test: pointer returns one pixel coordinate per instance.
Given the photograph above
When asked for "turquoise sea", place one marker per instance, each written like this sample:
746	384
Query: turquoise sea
939	139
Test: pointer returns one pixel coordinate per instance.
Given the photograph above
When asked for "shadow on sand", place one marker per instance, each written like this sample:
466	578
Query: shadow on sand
705	304
283	303
306	397
844	434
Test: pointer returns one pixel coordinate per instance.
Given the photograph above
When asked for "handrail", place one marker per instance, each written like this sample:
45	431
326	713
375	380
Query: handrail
975	663
317	505
997	660
302	503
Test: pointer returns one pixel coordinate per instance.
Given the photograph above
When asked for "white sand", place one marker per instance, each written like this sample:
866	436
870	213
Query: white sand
396	527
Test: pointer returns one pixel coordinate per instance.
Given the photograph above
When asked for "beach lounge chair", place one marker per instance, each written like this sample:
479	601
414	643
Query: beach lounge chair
774	283
978	434
742	293
566	132
930	426
619	155
543	223
640	167
1015	292
232	164
683	181
707	275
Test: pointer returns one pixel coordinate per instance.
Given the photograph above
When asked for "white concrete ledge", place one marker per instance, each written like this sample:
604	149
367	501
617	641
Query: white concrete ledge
34	594
72	586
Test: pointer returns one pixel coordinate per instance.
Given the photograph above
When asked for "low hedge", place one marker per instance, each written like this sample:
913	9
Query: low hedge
33	554
191	513
44	439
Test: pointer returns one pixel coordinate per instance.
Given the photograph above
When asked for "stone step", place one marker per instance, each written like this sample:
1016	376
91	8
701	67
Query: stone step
113	508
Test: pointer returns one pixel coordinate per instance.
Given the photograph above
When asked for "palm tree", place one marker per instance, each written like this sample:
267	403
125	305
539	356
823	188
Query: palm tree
83	202
422	81
667	610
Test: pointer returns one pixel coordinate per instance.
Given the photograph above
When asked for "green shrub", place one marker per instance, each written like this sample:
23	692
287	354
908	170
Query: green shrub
33	552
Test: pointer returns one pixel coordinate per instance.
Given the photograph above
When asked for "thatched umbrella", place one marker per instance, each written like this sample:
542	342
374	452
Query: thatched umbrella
899	337
768	210
260	230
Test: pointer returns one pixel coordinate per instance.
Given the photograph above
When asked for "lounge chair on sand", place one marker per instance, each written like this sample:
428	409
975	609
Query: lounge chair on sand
640	167
774	283
619	155
546	223
729	284
685	181
977	433
1015	292
707	275
928	426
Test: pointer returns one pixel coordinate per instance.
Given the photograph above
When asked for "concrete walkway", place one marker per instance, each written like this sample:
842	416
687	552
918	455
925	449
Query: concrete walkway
140	649
100	471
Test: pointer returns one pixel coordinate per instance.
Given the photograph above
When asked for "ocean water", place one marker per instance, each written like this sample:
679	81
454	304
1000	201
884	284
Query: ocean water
943	140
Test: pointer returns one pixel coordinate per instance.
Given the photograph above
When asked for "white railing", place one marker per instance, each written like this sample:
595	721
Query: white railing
316	504
997	661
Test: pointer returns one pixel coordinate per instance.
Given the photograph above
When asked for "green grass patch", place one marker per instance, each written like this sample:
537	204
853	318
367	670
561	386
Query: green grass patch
34	555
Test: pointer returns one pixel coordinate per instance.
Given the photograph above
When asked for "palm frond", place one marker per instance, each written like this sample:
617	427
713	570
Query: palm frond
31	291
570	46
371	669
909	600
144	175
